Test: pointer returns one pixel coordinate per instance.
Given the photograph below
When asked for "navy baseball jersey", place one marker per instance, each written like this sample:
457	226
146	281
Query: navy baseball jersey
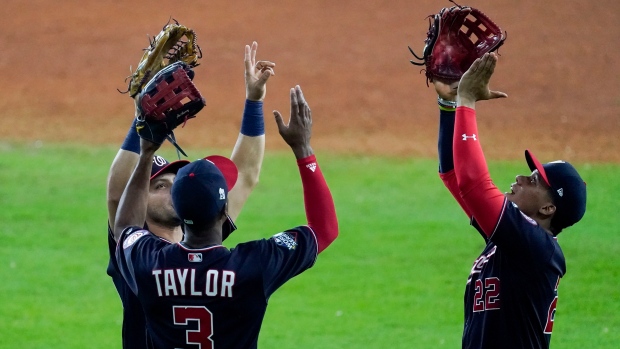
134	324
211	297
511	292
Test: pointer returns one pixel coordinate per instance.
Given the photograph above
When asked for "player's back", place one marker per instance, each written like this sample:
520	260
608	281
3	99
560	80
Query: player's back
211	296
207	296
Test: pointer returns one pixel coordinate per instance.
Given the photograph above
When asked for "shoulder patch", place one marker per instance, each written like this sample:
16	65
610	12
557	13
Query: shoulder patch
286	239
131	239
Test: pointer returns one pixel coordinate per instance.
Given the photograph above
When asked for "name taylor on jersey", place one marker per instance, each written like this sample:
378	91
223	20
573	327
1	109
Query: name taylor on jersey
183	282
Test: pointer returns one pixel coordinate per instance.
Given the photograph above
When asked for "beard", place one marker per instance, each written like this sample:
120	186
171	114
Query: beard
164	217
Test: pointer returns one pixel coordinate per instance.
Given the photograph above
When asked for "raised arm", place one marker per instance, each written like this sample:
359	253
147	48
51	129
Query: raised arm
483	199
133	203
446	99
120	171
318	201
250	147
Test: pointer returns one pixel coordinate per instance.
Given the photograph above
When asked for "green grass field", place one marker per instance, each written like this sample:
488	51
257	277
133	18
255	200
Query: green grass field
394	278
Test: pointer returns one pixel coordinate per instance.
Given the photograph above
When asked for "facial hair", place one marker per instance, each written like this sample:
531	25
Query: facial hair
163	217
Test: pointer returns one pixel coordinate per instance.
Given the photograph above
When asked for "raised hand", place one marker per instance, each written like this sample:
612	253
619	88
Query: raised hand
446	89
256	74
474	85
298	131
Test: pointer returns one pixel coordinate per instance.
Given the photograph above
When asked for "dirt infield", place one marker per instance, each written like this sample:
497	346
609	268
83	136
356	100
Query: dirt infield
62	62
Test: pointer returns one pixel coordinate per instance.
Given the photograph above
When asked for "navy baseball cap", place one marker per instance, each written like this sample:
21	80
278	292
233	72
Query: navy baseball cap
200	190
161	166
567	188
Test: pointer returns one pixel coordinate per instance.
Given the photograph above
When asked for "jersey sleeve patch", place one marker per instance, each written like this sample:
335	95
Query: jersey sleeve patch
286	240
132	238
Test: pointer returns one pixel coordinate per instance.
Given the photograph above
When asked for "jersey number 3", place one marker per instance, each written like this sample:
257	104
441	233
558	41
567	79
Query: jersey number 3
201	336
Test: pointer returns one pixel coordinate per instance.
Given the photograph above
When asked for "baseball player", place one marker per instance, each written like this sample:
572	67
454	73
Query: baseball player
161	219
512	288
197	292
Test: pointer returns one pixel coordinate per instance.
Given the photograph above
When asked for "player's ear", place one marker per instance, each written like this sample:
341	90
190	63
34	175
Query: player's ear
224	210
547	209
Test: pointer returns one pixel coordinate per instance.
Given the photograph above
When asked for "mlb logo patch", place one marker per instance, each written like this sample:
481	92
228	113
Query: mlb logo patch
194	257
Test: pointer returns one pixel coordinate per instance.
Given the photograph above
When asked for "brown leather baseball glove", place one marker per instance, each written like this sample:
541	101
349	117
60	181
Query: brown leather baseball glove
175	43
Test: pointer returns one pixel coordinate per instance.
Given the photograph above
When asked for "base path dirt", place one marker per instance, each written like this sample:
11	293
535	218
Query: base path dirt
63	61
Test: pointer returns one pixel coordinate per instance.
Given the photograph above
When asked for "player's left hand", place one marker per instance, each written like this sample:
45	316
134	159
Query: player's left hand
256	74
446	89
298	131
474	85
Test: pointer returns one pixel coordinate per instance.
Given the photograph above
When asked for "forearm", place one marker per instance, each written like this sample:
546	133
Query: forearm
445	140
120	171
469	162
446	159
479	194
318	202
248	155
133	203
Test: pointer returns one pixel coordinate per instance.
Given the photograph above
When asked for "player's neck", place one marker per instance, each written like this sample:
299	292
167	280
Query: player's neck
545	224
204	239
172	234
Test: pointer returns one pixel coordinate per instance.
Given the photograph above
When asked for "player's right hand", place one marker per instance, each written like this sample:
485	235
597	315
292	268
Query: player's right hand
148	147
256	74
474	85
298	131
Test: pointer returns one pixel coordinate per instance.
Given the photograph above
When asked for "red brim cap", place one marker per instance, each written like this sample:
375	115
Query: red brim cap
172	167
227	167
534	164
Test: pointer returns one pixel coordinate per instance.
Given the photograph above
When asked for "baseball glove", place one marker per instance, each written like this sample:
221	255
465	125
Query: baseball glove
168	100
164	49
456	37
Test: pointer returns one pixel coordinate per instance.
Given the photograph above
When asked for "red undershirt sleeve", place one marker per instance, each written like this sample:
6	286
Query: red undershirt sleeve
449	180
484	201
318	202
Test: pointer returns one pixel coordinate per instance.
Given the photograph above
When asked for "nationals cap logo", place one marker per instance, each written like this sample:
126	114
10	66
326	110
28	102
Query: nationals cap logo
159	161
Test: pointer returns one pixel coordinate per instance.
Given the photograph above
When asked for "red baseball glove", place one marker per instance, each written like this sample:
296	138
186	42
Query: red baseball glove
456	37
168	100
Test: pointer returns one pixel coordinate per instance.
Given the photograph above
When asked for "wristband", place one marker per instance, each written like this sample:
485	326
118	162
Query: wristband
445	103
253	122
132	140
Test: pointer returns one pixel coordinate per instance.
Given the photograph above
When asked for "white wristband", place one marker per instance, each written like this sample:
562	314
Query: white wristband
446	104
